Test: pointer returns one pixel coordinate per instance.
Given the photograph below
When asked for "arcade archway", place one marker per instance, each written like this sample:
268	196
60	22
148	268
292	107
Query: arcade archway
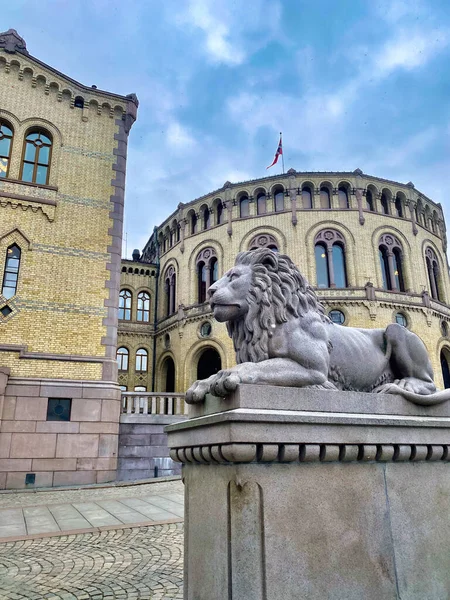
209	363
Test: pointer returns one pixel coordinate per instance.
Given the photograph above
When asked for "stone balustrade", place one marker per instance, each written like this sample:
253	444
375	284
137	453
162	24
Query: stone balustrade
153	403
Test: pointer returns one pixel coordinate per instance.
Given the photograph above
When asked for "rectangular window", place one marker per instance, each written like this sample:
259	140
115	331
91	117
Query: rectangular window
59	409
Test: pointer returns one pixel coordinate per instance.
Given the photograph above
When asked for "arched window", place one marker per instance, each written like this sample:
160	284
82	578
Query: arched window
141	360
401	319
11	274
445	368
343	197
219	213
325	199
143	307
369	201
306	197
206	218
125	305
36	157
214	269
398	207
322	272
169	375
178	230
263	241
384	204
6	136
398	270
427	217
193	223
340	275
330	259
201	278
387	285
261	204
207	272
209	363
391	262
417	213
122	358
433	273
279	201
171	290
78	102
244	206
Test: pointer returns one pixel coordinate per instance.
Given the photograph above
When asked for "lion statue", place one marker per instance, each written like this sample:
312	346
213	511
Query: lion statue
282	336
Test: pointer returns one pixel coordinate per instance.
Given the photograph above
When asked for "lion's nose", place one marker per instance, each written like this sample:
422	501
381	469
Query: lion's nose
212	290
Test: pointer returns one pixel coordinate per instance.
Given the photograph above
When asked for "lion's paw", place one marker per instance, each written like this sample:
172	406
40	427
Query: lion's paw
226	382
197	392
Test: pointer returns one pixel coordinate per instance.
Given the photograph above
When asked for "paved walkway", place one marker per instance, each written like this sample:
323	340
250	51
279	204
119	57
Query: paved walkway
24	514
130	563
94	543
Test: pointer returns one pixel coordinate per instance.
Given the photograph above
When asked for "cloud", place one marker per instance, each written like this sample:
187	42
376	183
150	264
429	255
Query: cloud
227	27
409	51
178	137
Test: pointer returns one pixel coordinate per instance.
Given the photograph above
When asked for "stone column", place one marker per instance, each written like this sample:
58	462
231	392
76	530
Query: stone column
431	279
300	493
182	232
359	197
413	218
208	276
293	196
316	198
230	217
171	296
392	271
330	265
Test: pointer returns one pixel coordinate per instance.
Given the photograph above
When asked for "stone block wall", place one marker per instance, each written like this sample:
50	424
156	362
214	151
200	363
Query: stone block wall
80	451
143	446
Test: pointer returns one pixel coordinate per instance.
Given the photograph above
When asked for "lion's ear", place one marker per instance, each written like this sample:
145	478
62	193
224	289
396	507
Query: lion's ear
270	261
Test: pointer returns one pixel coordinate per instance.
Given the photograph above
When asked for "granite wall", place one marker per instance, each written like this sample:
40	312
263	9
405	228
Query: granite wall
143	447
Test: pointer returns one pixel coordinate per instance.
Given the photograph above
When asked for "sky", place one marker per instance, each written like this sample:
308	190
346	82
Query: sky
350	83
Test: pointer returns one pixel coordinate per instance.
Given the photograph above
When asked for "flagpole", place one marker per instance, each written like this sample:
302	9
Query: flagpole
282	153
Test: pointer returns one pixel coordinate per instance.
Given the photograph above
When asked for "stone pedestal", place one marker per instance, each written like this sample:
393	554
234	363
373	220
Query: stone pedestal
305	494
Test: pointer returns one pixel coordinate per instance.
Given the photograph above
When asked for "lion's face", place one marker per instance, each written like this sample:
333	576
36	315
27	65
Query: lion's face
228	296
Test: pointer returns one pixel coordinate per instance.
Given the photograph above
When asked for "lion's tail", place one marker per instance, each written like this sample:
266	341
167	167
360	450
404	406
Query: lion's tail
421	399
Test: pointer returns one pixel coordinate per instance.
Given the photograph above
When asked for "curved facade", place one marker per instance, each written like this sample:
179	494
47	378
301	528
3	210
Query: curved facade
374	249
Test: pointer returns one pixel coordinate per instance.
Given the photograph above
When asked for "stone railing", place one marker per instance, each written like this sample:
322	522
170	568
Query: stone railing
153	403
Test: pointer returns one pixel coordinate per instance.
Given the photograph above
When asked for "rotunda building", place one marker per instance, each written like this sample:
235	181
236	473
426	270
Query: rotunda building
374	250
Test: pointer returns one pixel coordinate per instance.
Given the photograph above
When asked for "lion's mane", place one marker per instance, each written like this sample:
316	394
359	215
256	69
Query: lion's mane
279	292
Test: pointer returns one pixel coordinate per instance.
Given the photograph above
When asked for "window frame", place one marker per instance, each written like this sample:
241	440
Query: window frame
123	355
126	309
141	360
145	311
4	122
328	239
7	271
36	164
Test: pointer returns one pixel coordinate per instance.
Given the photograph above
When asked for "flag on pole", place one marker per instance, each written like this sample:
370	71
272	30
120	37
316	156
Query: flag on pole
277	153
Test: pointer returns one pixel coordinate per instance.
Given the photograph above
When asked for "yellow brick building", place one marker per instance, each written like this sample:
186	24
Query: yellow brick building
374	249
63	150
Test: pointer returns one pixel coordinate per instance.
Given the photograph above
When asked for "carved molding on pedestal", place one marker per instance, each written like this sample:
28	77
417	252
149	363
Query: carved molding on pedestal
306	453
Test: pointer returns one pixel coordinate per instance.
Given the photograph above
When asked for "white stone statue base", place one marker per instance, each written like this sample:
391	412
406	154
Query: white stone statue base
297	494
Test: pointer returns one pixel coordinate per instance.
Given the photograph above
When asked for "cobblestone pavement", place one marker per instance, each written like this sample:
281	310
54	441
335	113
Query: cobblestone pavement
130	563
78	510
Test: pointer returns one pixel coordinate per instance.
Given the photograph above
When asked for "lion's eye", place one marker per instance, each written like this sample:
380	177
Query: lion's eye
233	276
